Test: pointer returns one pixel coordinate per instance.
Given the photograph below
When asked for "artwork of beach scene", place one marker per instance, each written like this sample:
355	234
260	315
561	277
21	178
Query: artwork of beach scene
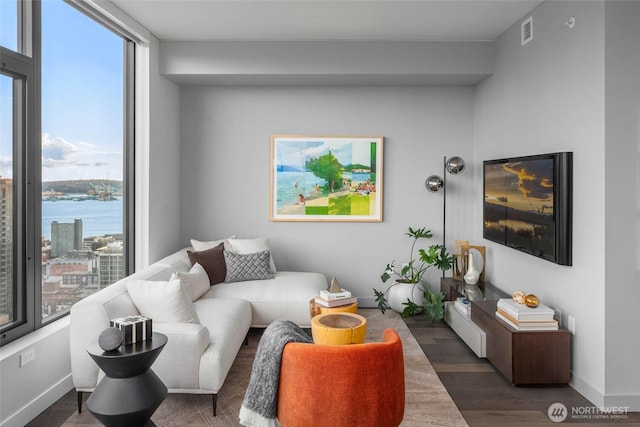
519	205
326	178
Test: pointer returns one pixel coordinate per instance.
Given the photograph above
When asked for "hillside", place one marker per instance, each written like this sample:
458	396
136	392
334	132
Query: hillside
82	186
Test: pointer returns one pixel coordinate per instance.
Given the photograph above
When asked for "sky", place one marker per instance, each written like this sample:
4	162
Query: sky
82	98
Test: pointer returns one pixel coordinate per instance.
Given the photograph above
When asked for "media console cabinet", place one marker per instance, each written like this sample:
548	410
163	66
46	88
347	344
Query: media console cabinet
523	357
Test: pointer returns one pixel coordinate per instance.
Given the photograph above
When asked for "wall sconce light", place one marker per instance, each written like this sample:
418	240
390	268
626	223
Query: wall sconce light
434	183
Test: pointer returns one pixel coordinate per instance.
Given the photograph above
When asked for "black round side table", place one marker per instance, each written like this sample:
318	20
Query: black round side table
130	392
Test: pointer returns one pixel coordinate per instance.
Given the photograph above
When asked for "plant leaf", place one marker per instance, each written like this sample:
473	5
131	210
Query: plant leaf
381	299
411	309
434	306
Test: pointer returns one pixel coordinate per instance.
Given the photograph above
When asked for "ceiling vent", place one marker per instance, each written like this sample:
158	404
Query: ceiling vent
526	30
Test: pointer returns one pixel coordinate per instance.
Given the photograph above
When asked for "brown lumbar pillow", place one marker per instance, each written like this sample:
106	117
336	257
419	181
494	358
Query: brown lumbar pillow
212	260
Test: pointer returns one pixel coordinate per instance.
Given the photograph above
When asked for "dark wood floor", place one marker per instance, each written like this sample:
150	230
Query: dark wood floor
483	395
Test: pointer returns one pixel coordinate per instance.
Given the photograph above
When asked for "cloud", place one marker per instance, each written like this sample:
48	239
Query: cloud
56	152
63	160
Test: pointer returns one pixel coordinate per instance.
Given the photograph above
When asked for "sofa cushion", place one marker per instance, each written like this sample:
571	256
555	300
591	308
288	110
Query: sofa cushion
164	302
213	262
249	246
200	245
195	281
241	267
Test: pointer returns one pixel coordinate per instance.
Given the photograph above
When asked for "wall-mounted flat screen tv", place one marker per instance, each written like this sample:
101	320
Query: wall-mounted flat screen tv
528	204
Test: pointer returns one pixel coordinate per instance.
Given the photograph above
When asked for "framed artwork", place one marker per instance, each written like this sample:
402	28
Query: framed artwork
326	178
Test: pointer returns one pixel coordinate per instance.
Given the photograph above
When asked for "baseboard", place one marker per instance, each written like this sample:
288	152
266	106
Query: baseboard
34	408
587	390
605	401
629	401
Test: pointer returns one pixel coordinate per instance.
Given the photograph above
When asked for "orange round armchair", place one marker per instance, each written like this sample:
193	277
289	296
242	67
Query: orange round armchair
342	385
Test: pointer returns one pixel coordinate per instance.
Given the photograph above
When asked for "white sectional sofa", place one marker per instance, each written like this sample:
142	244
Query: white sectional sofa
198	354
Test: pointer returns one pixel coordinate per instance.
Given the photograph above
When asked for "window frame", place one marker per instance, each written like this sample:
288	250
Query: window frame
23	66
27	197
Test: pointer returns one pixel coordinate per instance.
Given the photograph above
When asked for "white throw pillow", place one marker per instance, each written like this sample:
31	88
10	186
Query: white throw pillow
195	282
164	302
251	246
199	245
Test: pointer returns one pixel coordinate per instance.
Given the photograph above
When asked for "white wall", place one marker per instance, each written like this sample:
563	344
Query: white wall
164	162
550	96
225	169
622	201
27	390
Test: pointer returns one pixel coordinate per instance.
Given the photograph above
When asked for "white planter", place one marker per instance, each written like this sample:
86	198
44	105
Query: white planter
400	292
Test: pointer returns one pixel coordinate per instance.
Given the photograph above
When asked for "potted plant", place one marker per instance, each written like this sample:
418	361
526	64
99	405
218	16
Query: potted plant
409	294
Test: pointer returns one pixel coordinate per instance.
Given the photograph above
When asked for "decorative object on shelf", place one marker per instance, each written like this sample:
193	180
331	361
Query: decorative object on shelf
473	292
454	165
335	286
479	260
110	339
518	296
326	178
472	275
531	301
412	290
459	259
134	328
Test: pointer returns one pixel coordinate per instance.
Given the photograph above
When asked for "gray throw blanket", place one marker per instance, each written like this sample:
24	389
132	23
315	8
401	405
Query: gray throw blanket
259	407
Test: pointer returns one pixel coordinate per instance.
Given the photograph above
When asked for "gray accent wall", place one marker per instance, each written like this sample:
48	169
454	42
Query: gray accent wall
225	170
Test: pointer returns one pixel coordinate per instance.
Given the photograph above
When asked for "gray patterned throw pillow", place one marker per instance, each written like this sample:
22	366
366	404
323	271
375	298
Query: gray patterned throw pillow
242	267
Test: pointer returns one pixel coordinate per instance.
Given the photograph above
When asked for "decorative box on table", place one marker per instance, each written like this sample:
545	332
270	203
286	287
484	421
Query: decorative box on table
135	328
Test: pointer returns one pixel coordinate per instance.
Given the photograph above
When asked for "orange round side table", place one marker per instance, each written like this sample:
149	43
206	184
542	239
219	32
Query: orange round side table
338	328
315	308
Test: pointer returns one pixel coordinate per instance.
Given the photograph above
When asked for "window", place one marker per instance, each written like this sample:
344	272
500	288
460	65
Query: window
9	24
65	160
7	309
83	227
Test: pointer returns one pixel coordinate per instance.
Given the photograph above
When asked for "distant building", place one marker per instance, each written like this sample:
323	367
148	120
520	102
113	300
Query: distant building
111	266
6	250
65	237
60	266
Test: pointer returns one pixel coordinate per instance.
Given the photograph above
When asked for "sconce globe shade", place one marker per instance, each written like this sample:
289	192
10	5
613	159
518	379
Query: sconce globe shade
434	183
455	165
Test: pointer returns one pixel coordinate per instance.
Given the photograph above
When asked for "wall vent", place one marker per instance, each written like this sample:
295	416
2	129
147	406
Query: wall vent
526	30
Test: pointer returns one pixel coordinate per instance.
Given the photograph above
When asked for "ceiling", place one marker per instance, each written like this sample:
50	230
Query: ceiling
281	20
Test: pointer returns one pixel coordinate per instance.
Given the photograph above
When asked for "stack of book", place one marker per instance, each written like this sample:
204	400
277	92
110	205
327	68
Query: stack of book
463	305
524	318
335	299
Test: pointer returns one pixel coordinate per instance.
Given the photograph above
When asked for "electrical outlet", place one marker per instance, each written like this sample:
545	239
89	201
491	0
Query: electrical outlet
27	357
571	324
559	316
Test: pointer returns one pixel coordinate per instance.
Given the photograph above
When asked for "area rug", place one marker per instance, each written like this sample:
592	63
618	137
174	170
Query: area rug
427	401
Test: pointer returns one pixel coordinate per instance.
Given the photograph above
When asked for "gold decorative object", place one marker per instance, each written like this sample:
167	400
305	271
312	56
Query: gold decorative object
460	259
518	296
335	286
531	301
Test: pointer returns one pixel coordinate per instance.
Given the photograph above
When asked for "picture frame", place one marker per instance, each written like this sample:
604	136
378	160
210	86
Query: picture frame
326	178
